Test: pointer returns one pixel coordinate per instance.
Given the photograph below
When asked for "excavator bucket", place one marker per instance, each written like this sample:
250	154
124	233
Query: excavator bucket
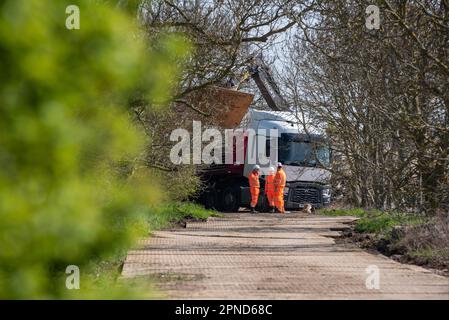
225	106
233	105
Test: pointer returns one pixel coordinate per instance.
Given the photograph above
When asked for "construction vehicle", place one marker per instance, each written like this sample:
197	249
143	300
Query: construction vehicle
304	155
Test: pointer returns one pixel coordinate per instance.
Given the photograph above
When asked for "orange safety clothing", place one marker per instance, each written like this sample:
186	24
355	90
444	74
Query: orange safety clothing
269	189
254	187
279	185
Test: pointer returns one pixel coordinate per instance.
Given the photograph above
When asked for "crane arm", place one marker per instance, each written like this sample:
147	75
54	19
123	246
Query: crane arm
261	75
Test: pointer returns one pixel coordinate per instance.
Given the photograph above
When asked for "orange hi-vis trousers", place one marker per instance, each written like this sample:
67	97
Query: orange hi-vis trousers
279	199
279	184
270	197
254	188
269	189
254	196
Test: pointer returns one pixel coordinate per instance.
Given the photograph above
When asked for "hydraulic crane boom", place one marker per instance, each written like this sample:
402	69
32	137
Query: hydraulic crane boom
261	75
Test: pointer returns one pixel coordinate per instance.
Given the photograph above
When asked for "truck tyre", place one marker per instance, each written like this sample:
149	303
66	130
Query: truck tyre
230	200
263	202
210	200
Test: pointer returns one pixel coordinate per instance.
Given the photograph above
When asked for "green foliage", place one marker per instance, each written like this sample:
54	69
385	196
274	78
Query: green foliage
383	222
179	184
163	216
433	256
375	221
63	128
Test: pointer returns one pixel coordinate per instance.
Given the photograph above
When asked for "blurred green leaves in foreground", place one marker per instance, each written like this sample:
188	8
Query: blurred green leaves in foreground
64	131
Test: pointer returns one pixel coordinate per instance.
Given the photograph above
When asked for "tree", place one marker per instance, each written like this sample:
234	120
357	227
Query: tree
67	141
383	96
224	35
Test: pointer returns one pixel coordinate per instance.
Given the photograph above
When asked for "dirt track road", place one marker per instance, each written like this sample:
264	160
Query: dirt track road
266	256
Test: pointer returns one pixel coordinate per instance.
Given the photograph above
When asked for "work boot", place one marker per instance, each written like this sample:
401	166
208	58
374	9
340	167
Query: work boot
272	210
253	211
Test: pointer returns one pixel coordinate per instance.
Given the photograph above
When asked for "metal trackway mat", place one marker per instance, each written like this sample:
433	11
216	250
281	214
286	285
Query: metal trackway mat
269	256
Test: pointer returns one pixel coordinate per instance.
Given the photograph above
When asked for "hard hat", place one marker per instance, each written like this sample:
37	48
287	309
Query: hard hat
271	170
279	164
256	167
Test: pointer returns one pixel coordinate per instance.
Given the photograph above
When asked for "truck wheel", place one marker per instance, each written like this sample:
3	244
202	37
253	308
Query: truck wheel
263	203
230	201
209	200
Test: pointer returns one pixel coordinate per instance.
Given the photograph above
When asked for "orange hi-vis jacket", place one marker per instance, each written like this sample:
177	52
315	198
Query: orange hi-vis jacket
279	180
254	180
269	184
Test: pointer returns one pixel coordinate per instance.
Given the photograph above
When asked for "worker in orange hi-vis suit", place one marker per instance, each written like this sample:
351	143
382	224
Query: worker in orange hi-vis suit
269	188
254	187
279	185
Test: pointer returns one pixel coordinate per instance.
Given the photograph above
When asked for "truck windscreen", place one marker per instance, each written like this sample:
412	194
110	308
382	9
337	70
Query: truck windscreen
302	150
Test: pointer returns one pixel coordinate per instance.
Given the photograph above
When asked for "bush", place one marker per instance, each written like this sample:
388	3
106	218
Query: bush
64	131
383	222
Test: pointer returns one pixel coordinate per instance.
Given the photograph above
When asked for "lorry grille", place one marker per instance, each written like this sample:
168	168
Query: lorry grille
306	195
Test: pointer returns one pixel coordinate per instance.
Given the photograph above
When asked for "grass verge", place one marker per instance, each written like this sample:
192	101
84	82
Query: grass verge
167	215
383	222
406	237
376	221
357	212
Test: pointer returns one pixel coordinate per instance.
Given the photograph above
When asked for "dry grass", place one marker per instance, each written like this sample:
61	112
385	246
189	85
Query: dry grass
428	243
